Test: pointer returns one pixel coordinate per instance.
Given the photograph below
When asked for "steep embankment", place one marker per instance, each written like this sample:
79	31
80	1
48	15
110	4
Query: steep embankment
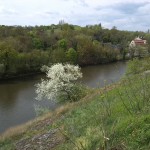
116	117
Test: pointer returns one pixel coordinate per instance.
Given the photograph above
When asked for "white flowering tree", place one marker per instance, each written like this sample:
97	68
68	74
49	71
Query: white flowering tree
60	82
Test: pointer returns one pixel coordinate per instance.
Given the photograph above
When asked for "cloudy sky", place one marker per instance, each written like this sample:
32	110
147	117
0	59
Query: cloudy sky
124	14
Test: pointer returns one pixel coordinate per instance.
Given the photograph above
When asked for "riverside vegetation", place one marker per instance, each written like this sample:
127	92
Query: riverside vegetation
23	50
116	117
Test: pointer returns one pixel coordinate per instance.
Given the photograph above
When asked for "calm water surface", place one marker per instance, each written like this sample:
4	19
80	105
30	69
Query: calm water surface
17	97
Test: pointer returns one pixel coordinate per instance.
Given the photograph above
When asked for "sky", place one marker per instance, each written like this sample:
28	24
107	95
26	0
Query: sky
132	15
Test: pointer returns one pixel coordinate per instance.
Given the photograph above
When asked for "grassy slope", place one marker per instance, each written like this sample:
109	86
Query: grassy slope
116	117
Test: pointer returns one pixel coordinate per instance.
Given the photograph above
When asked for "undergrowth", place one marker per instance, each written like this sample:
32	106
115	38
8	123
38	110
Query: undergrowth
115	120
118	119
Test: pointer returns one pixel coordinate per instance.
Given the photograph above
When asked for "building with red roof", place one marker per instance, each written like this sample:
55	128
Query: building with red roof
138	42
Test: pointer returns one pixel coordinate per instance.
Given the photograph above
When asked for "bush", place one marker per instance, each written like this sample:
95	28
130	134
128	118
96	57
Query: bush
61	83
136	66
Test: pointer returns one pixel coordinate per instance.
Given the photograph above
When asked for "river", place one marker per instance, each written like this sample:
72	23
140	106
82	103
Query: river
17	97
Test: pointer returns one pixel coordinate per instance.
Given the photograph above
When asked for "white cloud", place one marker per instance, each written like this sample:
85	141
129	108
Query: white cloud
144	9
7	12
127	15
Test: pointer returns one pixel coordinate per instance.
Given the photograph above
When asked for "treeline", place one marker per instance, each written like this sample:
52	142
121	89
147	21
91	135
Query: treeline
25	49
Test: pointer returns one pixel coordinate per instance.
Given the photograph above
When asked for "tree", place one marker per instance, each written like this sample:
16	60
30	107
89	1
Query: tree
72	55
58	55
60	84
8	58
62	44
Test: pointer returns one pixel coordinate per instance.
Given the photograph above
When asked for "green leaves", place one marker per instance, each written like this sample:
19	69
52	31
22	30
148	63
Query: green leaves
62	44
71	55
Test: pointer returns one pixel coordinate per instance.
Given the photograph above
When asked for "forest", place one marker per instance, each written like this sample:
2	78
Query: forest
23	50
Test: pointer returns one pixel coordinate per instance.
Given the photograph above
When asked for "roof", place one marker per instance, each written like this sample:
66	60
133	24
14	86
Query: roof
139	41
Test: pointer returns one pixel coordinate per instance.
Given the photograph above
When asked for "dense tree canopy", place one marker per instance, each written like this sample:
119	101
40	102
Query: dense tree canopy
26	49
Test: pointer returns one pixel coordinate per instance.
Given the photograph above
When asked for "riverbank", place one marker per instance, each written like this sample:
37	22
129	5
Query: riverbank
19	76
24	75
17	98
115	117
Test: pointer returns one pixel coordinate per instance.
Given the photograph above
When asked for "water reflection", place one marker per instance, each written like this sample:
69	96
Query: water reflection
17	100
98	76
9	94
17	97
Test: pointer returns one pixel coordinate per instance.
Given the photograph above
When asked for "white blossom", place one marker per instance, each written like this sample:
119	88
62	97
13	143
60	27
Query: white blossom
60	78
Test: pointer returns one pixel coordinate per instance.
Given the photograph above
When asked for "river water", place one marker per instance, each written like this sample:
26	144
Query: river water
17	97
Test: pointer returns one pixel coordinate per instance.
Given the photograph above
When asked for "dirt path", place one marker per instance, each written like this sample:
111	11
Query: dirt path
42	140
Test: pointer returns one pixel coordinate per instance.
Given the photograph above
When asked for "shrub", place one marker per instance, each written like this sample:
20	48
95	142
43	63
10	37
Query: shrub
60	83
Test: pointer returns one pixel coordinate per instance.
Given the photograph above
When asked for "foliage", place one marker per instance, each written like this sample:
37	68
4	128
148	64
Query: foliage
62	44
29	47
58	56
60	83
71	56
112	120
136	66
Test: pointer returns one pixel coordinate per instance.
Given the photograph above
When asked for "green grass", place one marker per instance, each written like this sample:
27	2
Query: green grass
113	118
117	119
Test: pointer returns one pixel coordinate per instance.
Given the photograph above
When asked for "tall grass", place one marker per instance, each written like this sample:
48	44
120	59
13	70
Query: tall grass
117	119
